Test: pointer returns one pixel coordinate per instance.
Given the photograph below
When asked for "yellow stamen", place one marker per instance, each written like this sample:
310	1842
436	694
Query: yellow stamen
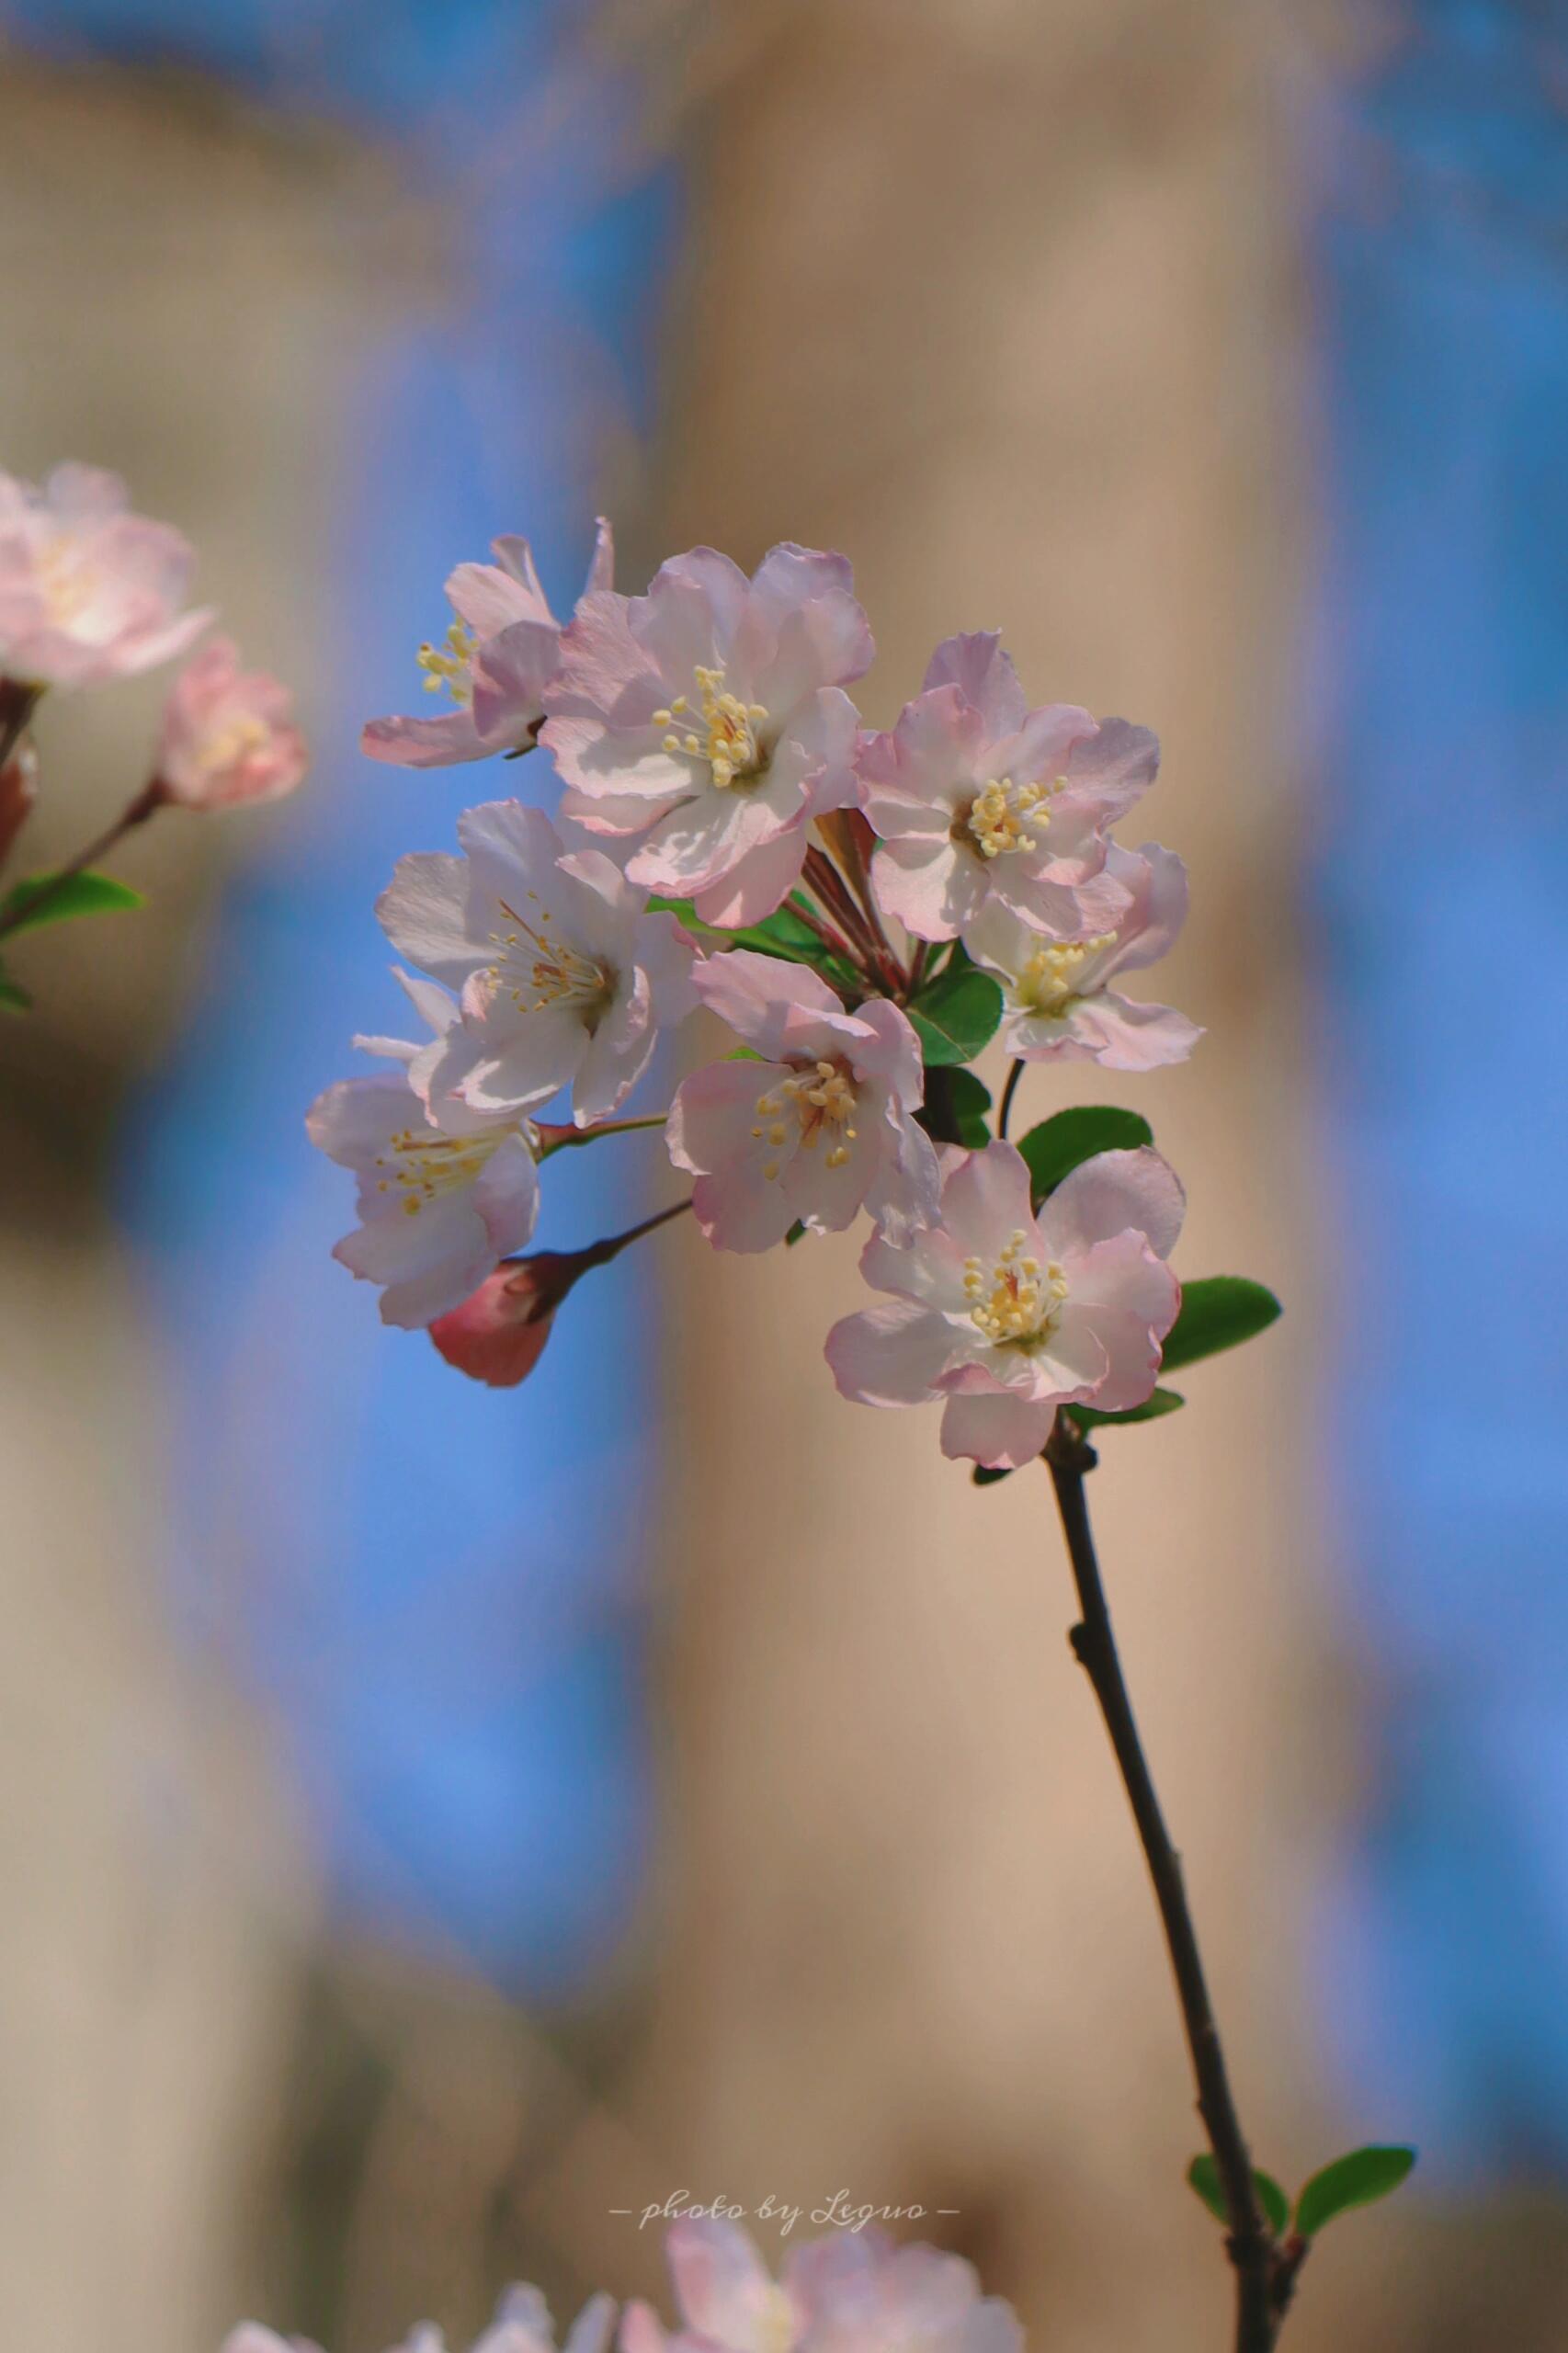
822	1097
729	741
1014	1303
1046	984
451	665
996	820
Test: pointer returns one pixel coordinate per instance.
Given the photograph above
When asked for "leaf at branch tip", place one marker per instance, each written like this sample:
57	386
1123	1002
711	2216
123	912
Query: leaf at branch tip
1203	2175
1058	1145
962	1117
81	894
1354	2180
1155	1407
956	1014
1218	1312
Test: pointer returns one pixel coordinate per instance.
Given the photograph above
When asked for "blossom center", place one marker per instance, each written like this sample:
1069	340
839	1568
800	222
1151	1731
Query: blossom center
224	747
422	1164
997	819
1014	1303
65	579
722	731
820	1098
1046	984
450	664
540	971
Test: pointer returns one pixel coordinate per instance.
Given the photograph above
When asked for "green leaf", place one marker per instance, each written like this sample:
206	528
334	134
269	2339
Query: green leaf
959	1117
1356	2180
956	1014
13	997
78	894
783	933
1203	2175
797	1233
1057	1146
981	1477
1153	1409
1216	1312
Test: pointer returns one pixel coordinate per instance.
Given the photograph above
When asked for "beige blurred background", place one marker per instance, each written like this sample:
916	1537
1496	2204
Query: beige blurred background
1008	302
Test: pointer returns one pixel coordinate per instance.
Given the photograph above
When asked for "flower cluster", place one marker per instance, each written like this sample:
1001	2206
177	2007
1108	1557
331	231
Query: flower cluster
849	2292
91	593
863	912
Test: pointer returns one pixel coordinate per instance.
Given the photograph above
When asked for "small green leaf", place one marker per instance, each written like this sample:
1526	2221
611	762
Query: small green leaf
959	1116
77	894
1216	1312
13	997
1203	2175
956	1014
797	1233
1356	2180
981	1477
783	933
1058	1145
1153	1409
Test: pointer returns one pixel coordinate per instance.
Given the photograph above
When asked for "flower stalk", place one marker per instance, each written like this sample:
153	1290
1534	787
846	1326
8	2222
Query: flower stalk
1263	2279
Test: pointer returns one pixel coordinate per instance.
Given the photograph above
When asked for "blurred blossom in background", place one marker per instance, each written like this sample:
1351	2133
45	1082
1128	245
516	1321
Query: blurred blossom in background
444	1817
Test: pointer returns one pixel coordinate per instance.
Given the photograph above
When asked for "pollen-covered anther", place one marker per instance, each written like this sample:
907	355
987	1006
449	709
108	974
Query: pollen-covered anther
1046	983
537	972
728	739
822	1097
998	816
1014	1303
423	1165
450	664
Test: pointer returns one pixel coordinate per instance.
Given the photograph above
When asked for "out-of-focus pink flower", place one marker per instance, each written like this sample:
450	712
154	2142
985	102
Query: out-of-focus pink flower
1058	1005
821	1127
439	1201
702	726
851	2292
18	791
565	978
494	662
88	591
498	1335
979	799
522	2324
1006	1316
228	733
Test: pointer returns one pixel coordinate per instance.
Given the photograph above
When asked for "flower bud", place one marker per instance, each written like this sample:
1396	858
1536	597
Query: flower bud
498	1334
18	790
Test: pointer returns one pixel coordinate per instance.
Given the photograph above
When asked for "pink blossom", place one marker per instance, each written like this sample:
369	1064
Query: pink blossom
494	662
565	978
703	727
522	2324
1058	1005
851	2293
227	734
439	1201
979	799
1008	1315
820	1128
88	591
498	1335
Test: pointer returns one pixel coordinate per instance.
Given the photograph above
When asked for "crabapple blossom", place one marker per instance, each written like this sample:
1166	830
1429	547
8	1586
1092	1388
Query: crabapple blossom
522	2324
499	1335
564	976
494	662
851	2293
1008	1315
88	591
227	735
1058	1005
821	1127
702	727
980	801
440	1200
